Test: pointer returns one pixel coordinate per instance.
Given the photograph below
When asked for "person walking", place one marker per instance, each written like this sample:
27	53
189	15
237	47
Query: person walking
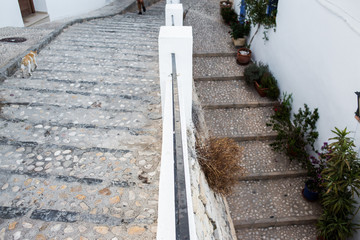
141	4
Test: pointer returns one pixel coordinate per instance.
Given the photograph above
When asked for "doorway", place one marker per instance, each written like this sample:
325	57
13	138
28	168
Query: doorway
26	7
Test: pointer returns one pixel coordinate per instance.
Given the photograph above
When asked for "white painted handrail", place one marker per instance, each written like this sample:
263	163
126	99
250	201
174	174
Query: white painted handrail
175	40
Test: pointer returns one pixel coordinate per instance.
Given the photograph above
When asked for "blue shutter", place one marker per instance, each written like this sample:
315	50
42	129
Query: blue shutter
272	6
242	12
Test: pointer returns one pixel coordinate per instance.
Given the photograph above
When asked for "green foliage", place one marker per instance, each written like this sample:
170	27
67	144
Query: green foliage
229	15
256	12
239	30
341	182
254	72
294	137
268	81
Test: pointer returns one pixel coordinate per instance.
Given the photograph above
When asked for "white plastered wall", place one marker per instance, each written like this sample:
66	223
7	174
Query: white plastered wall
315	55
68	8
10	15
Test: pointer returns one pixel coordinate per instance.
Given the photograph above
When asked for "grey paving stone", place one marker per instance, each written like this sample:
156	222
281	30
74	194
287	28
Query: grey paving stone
258	157
267	199
237	122
303	232
79	142
217	67
227	92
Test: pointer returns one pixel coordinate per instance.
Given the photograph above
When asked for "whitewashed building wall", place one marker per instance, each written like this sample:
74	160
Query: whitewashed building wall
315	55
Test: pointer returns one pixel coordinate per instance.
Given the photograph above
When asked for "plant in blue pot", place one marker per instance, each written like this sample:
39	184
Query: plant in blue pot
313	185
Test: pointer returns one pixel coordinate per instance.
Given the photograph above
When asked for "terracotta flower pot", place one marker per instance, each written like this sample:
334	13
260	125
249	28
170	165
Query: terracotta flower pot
243	56
260	90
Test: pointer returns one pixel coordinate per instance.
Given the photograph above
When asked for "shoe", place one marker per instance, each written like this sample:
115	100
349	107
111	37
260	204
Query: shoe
144	9
140	13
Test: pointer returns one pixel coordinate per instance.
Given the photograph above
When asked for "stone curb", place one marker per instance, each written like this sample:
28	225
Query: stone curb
239	105
11	67
273	175
219	78
276	222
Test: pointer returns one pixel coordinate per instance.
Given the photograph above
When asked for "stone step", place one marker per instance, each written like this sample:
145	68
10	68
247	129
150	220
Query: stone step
303	232
240	123
261	162
134	119
217	67
229	94
76	135
273	202
72	99
120	41
135	87
73	195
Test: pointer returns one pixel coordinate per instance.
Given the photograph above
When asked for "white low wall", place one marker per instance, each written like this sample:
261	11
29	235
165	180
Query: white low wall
10	15
316	57
40	5
67	8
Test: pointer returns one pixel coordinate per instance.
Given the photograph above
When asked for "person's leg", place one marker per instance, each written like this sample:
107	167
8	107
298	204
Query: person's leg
139	3
143	5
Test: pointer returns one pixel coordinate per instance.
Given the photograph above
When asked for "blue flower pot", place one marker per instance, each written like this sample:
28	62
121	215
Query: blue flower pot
310	195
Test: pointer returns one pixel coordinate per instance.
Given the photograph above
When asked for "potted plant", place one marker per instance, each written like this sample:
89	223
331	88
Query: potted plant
225	4
229	15
267	86
257	13
254	72
341	183
295	137
238	32
313	185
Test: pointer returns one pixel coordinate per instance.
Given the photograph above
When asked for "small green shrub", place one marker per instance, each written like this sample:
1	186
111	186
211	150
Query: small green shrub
239	30
229	15
268	81
294	137
254	72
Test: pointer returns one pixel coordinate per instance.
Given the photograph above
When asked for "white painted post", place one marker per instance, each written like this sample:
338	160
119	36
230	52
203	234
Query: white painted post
172	1
178	40
175	10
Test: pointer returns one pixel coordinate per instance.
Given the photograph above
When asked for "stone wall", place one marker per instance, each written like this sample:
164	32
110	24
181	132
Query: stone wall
212	217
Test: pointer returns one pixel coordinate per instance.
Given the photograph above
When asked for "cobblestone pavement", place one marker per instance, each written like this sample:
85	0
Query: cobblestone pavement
80	139
267	202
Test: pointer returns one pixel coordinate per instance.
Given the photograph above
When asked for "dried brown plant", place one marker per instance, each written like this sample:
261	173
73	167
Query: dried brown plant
220	159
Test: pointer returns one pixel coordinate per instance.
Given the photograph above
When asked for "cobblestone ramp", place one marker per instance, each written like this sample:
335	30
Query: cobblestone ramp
266	202
80	139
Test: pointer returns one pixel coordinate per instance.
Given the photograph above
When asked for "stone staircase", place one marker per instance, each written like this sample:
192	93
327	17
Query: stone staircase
266	202
79	139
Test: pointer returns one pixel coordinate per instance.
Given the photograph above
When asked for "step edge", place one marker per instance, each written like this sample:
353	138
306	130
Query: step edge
276	222
259	137
273	175
215	54
239	105
219	78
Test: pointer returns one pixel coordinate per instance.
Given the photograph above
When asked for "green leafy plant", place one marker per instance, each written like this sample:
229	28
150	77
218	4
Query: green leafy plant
239	30
341	182
254	72
229	15
268	81
257	13
295	137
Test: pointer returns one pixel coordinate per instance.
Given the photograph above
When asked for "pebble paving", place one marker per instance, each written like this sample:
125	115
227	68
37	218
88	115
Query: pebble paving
237	111
80	139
